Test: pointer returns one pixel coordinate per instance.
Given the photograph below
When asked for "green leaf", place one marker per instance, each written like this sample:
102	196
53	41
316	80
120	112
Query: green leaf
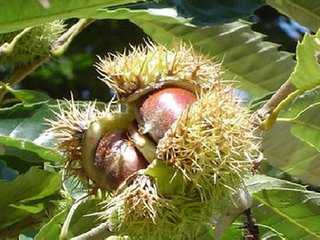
84	217
18	14
286	152
299	123
256	64
299	158
35	184
22	128
287	208
10	216
307	71
233	232
51	230
301	104
17	202
307	133
307	127
305	12
33	208
29	96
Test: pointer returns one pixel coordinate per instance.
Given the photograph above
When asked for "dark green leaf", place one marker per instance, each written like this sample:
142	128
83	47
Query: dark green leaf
22	130
18	14
35	184
17	202
215	11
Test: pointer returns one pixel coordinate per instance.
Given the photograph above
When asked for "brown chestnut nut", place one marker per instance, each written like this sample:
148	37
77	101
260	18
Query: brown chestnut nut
162	108
117	156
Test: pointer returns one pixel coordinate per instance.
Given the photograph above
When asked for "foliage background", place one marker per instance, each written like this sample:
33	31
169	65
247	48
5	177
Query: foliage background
291	148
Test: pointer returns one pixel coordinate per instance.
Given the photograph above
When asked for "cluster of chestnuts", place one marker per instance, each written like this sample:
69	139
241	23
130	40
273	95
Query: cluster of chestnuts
172	150
117	155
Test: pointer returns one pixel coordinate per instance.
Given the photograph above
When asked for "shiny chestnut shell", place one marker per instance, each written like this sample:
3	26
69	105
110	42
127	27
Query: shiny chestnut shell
162	108
118	157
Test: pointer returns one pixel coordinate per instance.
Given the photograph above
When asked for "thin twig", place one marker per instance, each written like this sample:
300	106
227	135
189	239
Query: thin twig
20	73
97	233
251	229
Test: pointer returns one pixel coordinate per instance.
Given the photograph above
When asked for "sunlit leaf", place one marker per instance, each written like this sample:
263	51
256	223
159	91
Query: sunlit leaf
51	230
306	74
22	128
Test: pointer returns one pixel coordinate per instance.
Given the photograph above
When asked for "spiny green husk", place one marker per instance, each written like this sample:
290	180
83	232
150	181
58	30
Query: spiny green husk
68	128
138	211
146	66
33	44
214	143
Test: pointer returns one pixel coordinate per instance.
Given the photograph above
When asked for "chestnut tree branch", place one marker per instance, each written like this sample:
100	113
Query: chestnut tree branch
251	229
58	48
267	114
